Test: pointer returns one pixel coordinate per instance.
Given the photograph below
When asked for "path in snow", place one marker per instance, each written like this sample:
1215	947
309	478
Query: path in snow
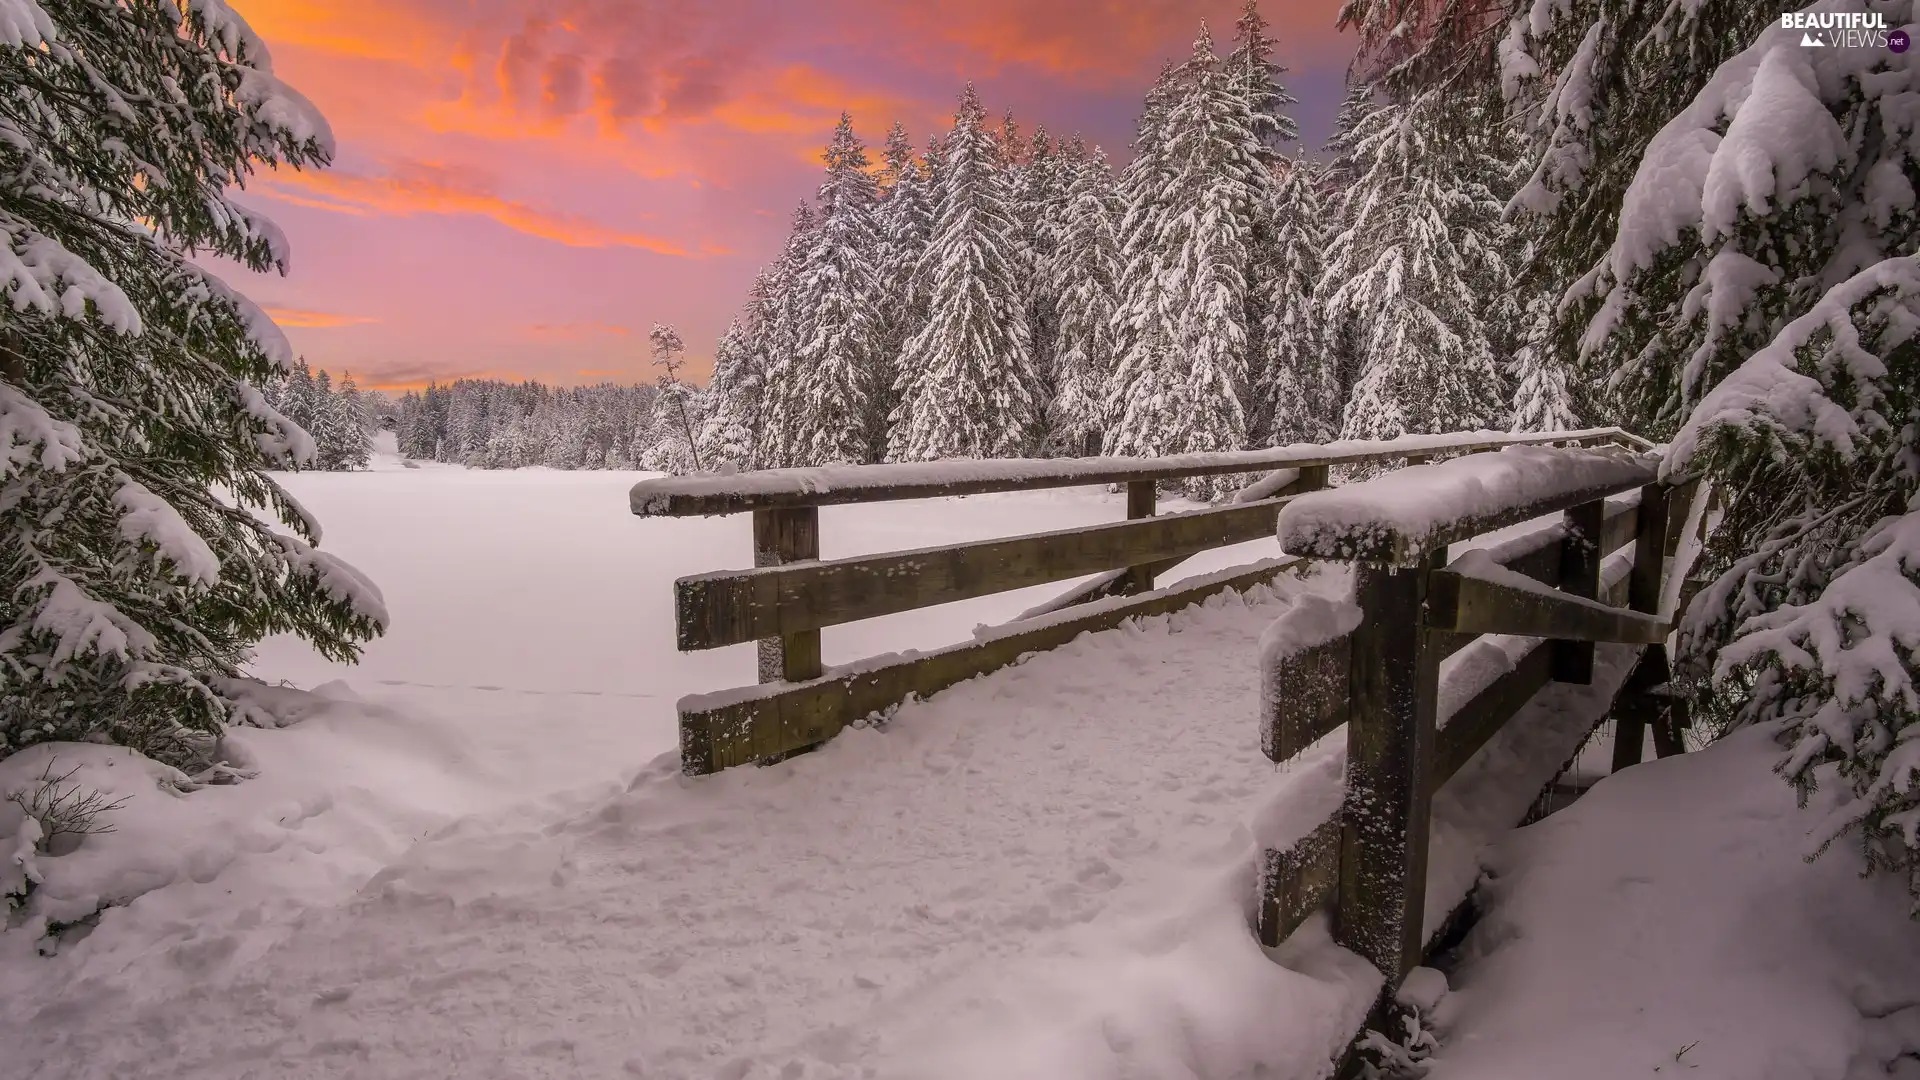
761	922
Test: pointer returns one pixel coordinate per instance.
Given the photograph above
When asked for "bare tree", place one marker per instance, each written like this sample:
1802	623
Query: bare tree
666	348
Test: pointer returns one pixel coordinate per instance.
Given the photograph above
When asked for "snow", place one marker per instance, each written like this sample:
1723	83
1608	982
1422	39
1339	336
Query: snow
1311	621
23	24
1058	854
475	852
1770	390
1417	507
653	496
146	518
1667	923
30	435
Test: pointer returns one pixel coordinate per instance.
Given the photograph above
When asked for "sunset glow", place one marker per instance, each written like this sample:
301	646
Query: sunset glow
523	186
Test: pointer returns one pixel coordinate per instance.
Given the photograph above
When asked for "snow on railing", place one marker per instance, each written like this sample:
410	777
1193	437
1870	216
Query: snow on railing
732	493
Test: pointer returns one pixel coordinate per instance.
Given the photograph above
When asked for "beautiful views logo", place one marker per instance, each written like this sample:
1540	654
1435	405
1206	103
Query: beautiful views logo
1845	30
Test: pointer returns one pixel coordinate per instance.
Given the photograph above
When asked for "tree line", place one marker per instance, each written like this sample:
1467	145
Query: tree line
998	294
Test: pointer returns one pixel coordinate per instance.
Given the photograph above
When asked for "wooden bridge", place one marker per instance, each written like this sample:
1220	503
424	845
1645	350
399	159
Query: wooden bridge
1587	535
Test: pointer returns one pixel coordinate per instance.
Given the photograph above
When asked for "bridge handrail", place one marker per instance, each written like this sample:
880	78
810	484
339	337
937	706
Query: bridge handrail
834	485
1537	604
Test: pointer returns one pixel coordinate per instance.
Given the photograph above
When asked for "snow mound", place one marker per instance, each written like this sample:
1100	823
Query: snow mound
1668	923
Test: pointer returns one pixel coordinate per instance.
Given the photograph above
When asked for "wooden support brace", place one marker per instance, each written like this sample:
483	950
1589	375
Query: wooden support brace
1299	881
1461	604
1634	708
783	535
1305	698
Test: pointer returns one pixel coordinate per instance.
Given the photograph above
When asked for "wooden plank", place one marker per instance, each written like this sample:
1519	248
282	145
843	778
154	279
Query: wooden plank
1390	740
692	496
1580	556
1143	498
729	607
1305	698
1461	604
1542	563
1649	562
1477	721
783	536
1299	881
766	723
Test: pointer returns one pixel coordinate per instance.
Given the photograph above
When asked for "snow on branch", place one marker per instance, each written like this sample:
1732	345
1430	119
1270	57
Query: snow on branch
1770	390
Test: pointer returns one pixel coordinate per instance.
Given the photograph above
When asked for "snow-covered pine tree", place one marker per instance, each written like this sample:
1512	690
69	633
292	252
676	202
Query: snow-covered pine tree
1036	191
1205	247
783	438
1402	275
1256	74
919	291
1300	384
1593	81
1086	277
835	412
728	440
356	431
1139	302
142	565
905	221
975	395
1781	306
1543	398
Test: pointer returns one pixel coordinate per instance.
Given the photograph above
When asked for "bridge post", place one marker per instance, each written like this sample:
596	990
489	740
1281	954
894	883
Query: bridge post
1635	708
1572	661
1394	691
782	535
1143	497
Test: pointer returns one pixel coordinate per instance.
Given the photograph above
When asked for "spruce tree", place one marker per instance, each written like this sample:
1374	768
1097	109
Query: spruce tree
145	560
785	437
1300	385
840	379
1402	275
975	396
1186	386
1776	313
905	221
1086	277
728	439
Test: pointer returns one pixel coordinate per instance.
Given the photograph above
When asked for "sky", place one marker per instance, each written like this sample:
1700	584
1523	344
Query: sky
523	187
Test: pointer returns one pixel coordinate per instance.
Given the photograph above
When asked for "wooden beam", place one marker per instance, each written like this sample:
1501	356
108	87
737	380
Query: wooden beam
1541	562
783	536
758	724
1299	881
1461	604
1477	721
692	496
1390	739
729	607
1580	556
1305	698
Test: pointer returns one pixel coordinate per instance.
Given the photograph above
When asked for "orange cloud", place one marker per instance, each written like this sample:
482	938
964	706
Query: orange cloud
315	320
422	188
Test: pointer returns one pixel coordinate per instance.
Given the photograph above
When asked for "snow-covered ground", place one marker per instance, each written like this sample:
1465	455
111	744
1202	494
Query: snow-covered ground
473	855
483	820
1667	924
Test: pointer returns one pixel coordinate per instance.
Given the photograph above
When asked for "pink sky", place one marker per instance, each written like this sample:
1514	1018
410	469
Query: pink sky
524	186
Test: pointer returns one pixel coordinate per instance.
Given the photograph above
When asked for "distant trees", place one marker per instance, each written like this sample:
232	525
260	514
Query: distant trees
336	417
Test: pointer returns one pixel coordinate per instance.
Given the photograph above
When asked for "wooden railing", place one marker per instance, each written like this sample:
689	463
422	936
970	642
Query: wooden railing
791	595
1375	671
